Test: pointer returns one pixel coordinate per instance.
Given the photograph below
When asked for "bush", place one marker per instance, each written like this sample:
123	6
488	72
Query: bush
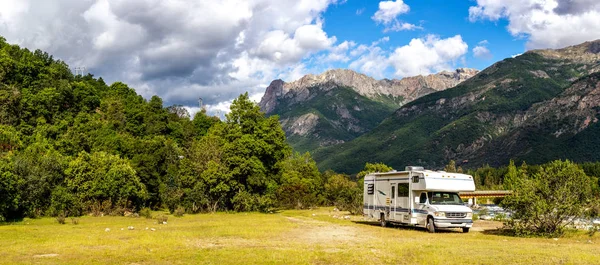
161	219
60	218
344	193
63	202
146	212
179	212
546	203
74	220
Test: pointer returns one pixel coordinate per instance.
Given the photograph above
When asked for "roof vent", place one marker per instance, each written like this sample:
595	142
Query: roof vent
413	168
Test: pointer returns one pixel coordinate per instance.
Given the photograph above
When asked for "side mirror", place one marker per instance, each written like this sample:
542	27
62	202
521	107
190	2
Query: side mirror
416	199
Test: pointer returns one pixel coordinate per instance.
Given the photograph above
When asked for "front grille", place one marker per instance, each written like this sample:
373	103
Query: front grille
456	215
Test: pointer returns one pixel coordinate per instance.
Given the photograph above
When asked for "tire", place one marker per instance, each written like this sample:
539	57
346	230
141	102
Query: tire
430	225
382	220
465	229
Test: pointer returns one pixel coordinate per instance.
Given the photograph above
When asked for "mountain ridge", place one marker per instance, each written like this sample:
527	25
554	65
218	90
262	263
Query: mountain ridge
526	108
338	105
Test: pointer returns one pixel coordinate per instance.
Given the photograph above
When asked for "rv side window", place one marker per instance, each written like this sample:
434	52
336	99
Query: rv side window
423	198
415	179
393	192
403	190
370	189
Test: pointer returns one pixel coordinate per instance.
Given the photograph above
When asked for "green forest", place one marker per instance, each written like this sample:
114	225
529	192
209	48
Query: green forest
72	145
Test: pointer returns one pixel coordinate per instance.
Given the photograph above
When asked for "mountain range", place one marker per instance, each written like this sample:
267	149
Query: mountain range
340	105
536	107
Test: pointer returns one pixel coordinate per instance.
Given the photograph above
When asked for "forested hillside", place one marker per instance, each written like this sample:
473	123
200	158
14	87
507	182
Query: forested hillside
71	145
537	107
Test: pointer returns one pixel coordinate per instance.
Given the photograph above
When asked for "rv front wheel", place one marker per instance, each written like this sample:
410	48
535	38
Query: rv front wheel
465	230
382	220
430	225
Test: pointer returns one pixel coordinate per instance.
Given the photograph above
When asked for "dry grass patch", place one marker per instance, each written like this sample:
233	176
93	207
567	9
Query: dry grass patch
289	237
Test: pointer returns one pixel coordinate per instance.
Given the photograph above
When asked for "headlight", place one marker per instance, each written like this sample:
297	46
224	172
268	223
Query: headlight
469	215
440	214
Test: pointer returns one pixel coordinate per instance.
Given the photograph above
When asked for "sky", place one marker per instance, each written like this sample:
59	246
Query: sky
181	50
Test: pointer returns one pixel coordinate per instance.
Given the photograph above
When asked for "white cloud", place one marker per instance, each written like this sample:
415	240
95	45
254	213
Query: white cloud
421	56
179	50
545	23
481	51
374	62
389	10
388	13
360	11
427	55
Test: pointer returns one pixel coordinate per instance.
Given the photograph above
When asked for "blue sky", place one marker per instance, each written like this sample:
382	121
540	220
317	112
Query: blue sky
217	49
353	21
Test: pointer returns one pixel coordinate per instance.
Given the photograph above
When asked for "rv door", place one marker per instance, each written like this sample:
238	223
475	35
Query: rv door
421	209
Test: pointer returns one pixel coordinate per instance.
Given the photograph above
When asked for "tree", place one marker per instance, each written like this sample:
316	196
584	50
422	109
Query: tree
9	191
39	168
372	168
300	182
512	176
344	193
10	139
451	167
100	177
548	201
252	147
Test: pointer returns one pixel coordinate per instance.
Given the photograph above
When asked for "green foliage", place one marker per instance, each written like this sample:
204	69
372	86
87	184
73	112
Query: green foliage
146	213
451	167
9	191
300	183
63	202
373	168
546	202
100	176
511	178
179	212
345	194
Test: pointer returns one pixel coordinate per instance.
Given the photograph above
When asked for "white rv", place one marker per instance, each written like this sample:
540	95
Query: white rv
418	197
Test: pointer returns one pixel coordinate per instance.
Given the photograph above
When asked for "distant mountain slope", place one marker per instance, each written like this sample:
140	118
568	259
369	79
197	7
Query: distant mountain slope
339	105
539	106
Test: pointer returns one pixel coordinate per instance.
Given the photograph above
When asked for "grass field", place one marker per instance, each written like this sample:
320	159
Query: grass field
288	237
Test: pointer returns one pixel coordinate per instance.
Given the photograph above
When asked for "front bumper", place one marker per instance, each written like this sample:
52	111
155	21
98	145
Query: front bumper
451	223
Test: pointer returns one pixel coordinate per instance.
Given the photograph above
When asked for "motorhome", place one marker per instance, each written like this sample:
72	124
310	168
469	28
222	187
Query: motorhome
418	197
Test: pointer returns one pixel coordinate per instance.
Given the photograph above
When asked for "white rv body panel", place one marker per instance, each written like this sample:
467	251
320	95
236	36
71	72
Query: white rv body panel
413	196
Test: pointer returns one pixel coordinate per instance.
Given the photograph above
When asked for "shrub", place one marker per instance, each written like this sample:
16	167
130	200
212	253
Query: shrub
179	212
344	193
74	220
549	201
60	218
146	212
63	202
161	219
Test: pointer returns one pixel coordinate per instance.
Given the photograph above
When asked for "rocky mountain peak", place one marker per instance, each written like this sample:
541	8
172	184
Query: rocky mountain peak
587	52
408	88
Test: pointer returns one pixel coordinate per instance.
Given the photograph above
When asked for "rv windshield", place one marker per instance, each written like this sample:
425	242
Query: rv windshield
447	198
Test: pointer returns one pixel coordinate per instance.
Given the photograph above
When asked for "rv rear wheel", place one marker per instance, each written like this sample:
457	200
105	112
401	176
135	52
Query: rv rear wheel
430	225
382	220
465	230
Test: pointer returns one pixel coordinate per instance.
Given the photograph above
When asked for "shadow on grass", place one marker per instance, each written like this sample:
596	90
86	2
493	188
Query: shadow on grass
408	227
498	232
